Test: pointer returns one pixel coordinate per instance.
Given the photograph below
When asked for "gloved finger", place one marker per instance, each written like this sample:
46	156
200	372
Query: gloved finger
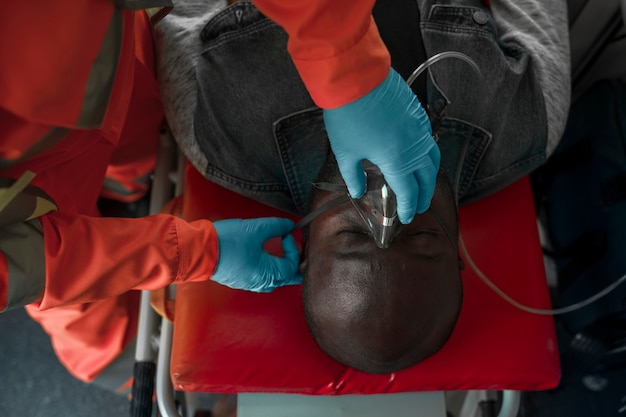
286	268
427	180
282	274
353	175
406	190
268	227
284	281
292	280
291	253
435	155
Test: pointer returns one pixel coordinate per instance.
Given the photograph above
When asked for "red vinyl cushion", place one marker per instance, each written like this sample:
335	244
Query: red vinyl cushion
231	341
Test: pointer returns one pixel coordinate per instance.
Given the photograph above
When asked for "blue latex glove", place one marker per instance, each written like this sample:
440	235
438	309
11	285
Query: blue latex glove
388	127
244	264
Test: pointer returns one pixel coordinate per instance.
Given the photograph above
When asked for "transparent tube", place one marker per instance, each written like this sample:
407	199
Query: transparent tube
545	312
438	57
576	306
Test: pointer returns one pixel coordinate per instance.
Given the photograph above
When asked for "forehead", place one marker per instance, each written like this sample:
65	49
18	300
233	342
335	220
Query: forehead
340	245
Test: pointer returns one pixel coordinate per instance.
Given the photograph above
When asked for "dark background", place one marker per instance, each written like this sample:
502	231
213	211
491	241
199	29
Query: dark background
34	383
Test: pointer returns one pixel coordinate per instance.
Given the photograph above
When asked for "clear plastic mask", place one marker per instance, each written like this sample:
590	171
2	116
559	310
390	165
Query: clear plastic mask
378	209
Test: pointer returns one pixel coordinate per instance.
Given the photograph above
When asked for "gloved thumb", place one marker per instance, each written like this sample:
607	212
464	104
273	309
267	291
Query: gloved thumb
291	255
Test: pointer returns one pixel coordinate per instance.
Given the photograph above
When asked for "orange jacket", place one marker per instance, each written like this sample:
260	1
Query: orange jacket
335	46
50	78
78	244
77	79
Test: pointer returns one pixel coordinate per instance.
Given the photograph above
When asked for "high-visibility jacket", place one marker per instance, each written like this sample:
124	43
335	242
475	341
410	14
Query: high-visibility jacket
76	81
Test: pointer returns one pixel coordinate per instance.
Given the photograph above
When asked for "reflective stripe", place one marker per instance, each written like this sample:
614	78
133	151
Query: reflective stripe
44	143
23	248
157	13
126	192
102	75
8	194
20	202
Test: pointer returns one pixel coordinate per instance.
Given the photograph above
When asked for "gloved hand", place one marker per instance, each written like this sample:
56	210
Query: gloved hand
244	264
388	127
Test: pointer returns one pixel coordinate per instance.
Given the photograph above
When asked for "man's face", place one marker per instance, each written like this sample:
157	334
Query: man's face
380	309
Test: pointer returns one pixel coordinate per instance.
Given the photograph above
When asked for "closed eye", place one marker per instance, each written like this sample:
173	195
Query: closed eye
355	231
423	232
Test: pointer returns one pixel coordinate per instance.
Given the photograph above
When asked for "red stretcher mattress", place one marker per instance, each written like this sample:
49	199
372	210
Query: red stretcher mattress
231	341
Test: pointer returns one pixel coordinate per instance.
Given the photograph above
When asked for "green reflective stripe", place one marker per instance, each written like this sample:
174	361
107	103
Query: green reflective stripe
115	187
23	248
100	82
47	141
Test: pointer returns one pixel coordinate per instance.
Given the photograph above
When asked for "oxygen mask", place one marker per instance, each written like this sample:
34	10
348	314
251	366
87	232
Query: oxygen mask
376	207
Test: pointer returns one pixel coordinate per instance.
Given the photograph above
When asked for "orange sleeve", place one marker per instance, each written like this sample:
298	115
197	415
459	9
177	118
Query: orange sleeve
92	258
335	46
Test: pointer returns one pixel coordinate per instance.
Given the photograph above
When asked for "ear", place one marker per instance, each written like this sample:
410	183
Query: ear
304	257
303	266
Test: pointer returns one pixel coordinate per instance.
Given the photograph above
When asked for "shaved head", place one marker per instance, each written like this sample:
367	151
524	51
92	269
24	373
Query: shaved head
382	310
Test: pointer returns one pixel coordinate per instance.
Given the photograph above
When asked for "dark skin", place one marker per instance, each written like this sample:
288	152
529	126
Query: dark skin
382	310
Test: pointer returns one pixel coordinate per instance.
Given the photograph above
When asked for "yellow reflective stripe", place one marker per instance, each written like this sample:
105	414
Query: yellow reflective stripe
20	201
8	194
155	14
42	206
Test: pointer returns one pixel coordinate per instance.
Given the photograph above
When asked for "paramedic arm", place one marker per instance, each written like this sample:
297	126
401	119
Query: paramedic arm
541	28
368	110
61	259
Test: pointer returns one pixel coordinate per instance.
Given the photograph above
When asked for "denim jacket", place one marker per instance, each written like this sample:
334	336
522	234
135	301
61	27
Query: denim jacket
263	137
